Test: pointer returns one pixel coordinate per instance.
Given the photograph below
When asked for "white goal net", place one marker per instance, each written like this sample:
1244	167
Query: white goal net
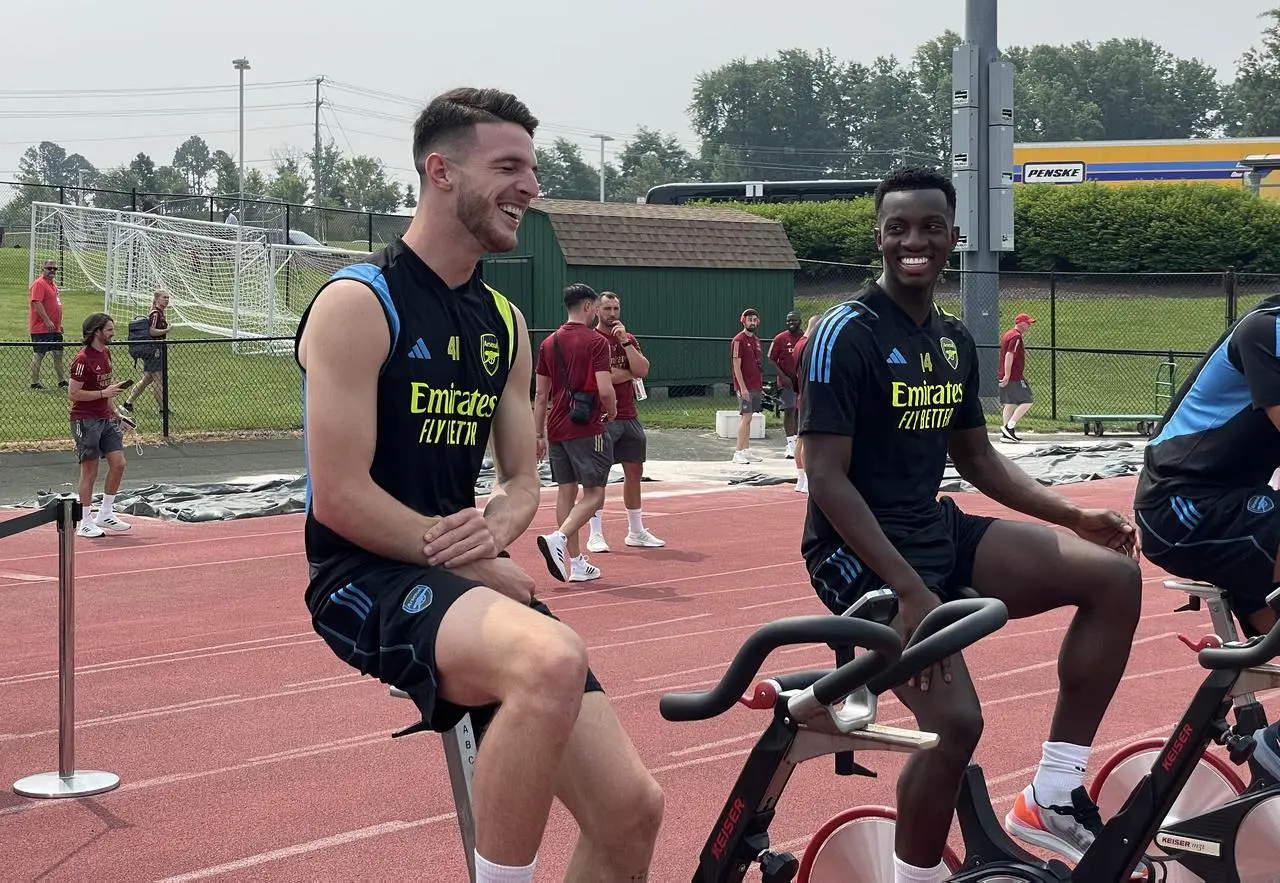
245	289
76	237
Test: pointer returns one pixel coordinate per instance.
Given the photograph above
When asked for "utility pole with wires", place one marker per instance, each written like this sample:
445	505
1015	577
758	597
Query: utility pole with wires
603	138
315	160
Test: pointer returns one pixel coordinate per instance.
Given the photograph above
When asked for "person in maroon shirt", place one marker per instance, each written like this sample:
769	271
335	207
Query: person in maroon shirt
627	364
95	426
748	381
782	354
1015	392
573	401
45	322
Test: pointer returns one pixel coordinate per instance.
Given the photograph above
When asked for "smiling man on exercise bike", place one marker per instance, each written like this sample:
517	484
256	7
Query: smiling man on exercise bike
1204	505
890	386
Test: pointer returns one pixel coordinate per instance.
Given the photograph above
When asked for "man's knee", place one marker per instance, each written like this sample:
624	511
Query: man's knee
953	713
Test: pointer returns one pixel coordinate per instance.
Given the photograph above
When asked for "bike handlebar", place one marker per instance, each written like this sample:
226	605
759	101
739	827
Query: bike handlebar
882	641
946	630
1256	651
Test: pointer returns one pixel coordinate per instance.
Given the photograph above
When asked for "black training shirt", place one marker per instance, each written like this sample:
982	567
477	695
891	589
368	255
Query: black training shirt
897	389
451	351
1215	435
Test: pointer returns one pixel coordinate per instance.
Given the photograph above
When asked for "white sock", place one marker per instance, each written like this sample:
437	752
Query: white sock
597	522
635	523
1061	771
104	510
905	873
488	872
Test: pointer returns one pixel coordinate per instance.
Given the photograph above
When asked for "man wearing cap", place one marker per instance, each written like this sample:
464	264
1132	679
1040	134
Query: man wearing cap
748	381
1015	392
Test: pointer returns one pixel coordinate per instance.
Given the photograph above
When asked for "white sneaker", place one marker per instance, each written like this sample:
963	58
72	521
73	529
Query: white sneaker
741	458
791	450
112	522
753	456
89	529
597	543
644	539
583	570
553	547
802	484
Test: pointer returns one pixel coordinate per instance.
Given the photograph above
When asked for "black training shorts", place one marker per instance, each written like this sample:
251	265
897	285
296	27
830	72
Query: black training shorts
942	552
630	445
383	623
585	461
1226	539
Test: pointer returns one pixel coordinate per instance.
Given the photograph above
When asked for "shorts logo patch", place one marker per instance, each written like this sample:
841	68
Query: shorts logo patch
489	352
418	599
1260	504
949	352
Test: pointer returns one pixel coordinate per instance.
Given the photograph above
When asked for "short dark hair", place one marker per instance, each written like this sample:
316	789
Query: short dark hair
577	294
454	115
915	178
610	295
93	323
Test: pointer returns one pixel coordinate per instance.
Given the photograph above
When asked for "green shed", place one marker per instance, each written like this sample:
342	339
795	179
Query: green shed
684	274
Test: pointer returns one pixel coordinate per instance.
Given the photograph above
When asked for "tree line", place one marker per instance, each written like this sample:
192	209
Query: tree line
797	114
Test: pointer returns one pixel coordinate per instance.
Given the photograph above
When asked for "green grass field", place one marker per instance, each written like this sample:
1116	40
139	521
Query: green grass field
215	391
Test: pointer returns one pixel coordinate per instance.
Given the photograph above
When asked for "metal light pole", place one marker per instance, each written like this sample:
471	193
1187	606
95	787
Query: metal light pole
603	138
242	65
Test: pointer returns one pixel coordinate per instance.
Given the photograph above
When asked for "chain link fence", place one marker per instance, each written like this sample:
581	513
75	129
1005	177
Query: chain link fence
1102	343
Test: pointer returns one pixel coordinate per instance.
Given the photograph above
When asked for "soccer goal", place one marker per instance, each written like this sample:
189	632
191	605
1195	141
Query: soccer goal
245	289
76	237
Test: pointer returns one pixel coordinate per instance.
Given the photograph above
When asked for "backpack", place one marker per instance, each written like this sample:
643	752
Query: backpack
141	344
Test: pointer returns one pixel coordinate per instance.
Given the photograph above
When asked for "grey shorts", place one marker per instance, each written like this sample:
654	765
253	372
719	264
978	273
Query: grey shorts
786	398
585	461
1016	392
629	441
96	437
754	406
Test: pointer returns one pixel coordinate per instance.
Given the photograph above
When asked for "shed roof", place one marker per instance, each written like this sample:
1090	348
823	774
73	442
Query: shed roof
621	234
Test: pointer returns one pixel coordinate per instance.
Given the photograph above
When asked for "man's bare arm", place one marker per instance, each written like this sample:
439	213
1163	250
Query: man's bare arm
518	491
608	395
44	317
342	349
998	478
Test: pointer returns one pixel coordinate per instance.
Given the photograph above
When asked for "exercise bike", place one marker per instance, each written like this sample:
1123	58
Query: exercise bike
806	721
1221	834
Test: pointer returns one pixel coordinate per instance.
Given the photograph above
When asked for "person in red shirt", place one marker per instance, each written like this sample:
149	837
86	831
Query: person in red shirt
573	400
1015	392
95	426
45	324
802	478
782	354
748	381
627	364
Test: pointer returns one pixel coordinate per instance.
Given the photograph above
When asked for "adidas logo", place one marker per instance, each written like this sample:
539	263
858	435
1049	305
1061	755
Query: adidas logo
419	350
896	357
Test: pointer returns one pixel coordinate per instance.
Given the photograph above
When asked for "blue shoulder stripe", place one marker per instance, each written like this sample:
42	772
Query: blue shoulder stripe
829	328
371	275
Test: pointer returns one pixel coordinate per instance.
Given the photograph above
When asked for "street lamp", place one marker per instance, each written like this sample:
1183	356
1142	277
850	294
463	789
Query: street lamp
603	138
242	65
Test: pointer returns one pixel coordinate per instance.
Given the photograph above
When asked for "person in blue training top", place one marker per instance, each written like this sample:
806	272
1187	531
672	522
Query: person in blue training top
1204	504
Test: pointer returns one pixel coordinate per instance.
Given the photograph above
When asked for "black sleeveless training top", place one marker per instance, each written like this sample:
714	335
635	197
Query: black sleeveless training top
451	351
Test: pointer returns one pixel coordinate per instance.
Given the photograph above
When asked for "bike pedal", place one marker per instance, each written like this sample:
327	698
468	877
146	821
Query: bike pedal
778	867
1240	749
420	727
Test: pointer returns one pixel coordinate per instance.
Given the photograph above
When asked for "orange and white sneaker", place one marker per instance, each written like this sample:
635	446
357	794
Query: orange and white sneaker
1068	831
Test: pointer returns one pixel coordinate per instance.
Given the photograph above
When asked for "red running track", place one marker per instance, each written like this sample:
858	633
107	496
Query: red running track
247	751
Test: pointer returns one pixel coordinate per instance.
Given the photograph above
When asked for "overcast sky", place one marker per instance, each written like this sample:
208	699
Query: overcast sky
110	79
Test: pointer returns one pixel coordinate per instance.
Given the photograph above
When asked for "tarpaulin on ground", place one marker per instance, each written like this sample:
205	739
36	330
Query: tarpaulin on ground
273	495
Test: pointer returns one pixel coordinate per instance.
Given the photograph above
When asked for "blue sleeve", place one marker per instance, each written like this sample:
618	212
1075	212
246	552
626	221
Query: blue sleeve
834	371
1255	349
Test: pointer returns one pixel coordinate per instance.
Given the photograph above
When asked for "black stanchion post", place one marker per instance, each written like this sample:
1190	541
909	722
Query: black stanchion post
67	781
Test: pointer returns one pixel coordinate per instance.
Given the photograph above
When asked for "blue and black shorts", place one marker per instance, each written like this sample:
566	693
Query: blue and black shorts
383	622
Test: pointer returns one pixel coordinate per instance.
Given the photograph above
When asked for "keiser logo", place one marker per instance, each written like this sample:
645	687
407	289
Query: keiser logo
1053	173
925	405
443	407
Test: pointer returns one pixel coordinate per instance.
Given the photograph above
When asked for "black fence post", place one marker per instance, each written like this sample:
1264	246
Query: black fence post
164	389
1053	345
370	217
1229	290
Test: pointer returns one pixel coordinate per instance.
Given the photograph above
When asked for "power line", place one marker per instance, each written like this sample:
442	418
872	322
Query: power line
145	90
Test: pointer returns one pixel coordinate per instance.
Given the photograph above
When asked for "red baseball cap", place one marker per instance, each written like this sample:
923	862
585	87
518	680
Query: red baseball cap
1023	317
